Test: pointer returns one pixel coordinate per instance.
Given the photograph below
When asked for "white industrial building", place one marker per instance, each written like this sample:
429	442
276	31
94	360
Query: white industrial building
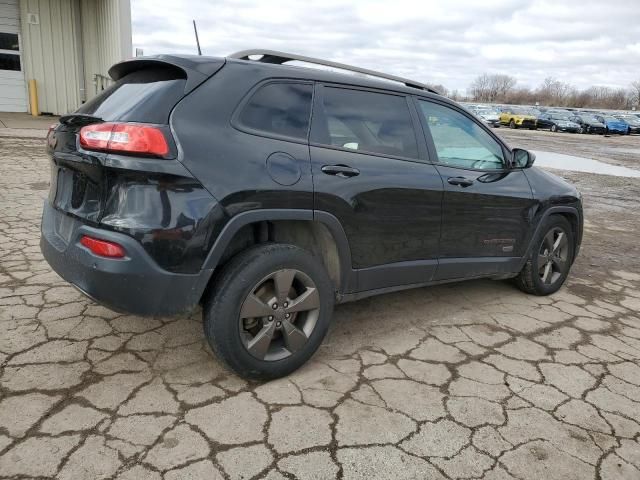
66	46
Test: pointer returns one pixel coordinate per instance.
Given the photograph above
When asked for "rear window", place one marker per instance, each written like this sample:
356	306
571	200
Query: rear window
281	109
146	95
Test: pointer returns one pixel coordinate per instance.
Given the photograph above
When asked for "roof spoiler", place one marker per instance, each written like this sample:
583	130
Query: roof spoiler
196	68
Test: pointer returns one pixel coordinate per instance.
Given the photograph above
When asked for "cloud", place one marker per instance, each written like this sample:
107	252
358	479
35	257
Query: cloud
583	42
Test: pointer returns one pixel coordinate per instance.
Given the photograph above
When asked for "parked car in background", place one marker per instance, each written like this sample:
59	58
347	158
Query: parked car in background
516	117
558	122
487	115
631	120
589	123
613	124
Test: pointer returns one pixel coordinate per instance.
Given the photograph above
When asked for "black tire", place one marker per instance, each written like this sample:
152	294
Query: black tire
512	124
530	279
583	130
554	128
222	308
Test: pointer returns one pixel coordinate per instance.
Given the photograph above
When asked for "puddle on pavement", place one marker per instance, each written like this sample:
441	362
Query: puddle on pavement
581	164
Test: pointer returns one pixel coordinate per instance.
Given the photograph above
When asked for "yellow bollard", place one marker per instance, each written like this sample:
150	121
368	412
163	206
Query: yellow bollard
33	98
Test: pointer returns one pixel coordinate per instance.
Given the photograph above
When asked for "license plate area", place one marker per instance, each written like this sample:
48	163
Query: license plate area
76	192
64	227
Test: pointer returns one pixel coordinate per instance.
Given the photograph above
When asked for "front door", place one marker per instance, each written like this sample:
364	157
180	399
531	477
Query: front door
369	170
487	206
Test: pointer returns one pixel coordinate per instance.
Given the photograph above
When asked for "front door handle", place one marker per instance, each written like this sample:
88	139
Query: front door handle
460	181
342	171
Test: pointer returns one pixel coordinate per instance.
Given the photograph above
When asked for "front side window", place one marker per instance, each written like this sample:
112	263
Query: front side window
459	141
367	122
280	109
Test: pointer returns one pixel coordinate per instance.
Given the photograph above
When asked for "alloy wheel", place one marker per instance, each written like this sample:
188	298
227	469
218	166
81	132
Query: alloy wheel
553	256
279	315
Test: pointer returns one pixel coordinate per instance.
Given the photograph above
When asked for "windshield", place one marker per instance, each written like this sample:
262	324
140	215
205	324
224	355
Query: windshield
561	116
609	118
518	111
589	118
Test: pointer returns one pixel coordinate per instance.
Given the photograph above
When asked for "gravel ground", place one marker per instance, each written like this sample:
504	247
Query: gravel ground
472	380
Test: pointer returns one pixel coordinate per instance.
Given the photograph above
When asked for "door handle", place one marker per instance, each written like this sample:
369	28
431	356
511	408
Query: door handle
342	171
460	181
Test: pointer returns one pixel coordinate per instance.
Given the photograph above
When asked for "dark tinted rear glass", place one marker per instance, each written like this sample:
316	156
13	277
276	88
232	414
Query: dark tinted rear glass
279	108
142	96
367	121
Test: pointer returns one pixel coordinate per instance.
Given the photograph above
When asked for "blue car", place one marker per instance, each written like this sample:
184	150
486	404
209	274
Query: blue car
613	124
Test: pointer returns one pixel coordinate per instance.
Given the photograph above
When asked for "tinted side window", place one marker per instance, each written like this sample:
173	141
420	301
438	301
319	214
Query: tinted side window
367	121
279	108
459	141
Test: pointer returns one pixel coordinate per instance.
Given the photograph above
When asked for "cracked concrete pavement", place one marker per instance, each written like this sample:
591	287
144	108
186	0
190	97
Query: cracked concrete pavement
474	380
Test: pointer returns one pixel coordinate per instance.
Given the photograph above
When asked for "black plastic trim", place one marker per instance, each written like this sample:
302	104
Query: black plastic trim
550	211
347	280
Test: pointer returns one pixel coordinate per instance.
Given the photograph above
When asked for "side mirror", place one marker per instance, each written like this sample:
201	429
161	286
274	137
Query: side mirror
522	158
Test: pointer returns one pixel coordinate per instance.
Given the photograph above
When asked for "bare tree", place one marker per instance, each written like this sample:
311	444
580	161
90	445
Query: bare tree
635	92
491	88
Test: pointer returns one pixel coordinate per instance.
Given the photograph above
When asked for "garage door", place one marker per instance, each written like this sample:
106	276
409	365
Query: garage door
13	91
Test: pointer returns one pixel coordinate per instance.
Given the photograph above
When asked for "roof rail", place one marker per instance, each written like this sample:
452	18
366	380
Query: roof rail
275	57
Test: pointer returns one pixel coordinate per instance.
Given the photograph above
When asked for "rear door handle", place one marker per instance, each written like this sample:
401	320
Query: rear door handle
460	181
342	171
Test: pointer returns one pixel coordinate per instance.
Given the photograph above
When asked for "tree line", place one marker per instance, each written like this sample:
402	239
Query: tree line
500	88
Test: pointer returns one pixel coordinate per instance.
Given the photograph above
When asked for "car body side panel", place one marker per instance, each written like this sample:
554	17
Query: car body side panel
230	163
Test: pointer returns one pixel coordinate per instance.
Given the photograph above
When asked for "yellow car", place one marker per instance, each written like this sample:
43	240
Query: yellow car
516	117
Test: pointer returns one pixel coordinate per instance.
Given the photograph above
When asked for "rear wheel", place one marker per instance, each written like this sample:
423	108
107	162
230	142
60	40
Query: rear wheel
269	311
550	259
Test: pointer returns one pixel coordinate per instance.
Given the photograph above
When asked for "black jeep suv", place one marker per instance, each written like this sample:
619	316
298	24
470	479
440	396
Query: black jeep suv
267	193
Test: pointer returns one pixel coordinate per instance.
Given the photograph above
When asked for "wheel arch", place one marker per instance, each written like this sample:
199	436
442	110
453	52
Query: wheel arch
319	232
572	214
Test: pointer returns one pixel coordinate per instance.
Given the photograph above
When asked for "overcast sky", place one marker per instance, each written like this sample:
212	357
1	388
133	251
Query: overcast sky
586	42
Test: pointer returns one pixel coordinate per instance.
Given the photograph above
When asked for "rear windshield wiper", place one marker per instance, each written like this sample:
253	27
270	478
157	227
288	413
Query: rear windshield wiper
79	119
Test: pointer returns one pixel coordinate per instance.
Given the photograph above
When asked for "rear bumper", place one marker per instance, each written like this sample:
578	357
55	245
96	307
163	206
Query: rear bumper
133	284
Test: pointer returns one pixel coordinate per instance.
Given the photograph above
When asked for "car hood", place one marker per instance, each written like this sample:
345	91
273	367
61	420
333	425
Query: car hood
525	117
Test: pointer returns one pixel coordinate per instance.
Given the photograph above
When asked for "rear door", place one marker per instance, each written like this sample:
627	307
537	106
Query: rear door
487	206
370	171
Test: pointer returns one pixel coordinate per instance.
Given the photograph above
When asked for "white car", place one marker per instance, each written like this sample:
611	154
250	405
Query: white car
488	116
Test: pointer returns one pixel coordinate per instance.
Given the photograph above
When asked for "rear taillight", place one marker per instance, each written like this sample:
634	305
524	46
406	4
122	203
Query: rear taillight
103	248
124	137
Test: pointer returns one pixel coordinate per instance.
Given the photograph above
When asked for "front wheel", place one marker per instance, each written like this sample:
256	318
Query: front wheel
269	310
554	128
550	259
512	124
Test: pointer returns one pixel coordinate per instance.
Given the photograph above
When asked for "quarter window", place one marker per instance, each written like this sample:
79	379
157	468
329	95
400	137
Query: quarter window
459	141
280	109
367	122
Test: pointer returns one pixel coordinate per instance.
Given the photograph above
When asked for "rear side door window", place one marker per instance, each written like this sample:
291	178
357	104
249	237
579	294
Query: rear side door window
459	141
280	109
365	121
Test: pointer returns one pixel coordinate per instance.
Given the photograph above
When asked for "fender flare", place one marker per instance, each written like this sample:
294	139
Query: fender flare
547	213
347	276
